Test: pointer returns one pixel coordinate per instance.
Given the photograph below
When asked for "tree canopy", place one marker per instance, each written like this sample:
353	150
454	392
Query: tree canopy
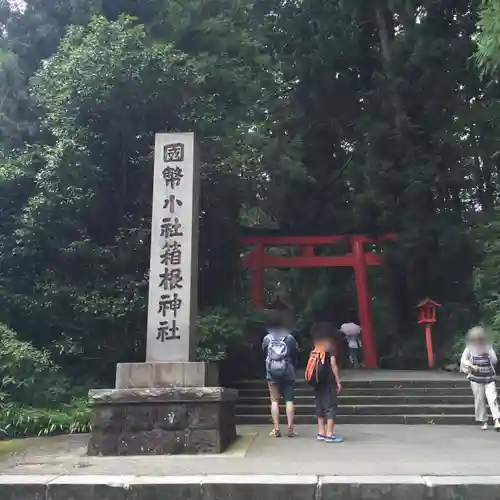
313	117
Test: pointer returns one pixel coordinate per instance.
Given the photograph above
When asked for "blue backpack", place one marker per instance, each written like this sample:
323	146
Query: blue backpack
278	356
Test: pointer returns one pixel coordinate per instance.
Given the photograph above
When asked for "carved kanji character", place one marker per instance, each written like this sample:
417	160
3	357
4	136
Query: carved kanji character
173	152
166	332
171	203
171	228
172	176
169	303
172	254
171	279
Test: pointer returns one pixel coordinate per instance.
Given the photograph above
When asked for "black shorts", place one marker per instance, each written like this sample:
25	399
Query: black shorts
326	401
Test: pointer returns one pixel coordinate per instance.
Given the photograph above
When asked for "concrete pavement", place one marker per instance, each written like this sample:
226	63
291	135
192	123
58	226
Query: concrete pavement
388	462
372	450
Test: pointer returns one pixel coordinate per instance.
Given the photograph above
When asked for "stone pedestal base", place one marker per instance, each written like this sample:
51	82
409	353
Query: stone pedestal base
171	374
162	421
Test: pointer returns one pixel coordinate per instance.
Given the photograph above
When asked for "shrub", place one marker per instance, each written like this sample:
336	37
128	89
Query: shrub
457	346
35	397
28	375
19	421
218	329
232	338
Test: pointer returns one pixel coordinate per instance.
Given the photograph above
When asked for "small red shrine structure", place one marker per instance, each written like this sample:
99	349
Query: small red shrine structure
427	317
278	304
258	260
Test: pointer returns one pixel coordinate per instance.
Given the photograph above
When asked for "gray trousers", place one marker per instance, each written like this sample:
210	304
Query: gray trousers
485	393
355	356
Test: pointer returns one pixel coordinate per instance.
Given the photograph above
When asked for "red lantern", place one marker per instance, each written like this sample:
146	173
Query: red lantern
427	317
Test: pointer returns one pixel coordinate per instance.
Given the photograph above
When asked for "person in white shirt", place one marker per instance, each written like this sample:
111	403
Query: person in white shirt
478	362
353	335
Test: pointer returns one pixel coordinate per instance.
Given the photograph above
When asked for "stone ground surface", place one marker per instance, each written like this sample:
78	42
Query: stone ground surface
375	450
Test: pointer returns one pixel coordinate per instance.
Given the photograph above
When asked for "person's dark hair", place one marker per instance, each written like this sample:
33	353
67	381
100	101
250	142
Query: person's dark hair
275	319
323	331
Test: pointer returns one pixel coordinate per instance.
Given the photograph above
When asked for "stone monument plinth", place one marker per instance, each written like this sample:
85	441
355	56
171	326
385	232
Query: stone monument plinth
169	404
162	421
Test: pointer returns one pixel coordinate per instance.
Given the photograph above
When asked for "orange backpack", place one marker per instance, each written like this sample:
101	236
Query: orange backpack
318	367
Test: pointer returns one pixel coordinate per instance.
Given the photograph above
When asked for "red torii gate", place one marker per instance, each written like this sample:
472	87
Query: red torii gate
258	260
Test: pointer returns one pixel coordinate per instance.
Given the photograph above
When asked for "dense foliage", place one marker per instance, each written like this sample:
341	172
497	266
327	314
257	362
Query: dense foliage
35	397
27	373
24	421
488	41
313	117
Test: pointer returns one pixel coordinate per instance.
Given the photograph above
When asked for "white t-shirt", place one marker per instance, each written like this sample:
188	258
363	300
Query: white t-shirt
353	333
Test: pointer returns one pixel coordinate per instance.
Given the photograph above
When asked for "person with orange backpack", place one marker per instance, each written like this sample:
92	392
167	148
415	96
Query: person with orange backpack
323	374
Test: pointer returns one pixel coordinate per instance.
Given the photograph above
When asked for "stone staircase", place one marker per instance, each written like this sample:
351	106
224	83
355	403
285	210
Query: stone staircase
439	402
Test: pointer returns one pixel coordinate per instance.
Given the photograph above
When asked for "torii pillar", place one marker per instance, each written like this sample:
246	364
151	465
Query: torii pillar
364	305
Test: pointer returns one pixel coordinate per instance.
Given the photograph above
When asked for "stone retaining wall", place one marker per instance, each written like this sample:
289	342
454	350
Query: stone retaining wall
82	487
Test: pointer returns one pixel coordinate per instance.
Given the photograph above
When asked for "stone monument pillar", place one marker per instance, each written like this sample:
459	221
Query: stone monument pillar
170	403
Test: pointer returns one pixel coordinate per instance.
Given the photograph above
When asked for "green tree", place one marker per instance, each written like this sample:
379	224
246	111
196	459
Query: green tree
392	85
85	230
488	39
487	277
314	117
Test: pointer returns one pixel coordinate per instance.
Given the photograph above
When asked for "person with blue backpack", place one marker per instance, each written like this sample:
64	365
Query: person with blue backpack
281	352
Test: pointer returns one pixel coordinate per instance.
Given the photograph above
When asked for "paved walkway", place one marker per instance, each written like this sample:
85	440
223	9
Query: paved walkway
372	450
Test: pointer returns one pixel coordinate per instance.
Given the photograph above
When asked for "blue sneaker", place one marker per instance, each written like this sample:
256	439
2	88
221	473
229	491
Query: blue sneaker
320	437
333	439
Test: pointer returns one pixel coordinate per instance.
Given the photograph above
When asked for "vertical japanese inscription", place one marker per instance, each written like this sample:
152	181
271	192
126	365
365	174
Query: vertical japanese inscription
173	272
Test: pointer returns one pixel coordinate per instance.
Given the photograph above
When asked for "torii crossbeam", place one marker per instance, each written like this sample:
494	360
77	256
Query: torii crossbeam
258	260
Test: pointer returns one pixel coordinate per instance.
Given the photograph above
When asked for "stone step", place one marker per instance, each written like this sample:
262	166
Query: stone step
465	399
371	384
381	410
248	485
418	419
304	391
